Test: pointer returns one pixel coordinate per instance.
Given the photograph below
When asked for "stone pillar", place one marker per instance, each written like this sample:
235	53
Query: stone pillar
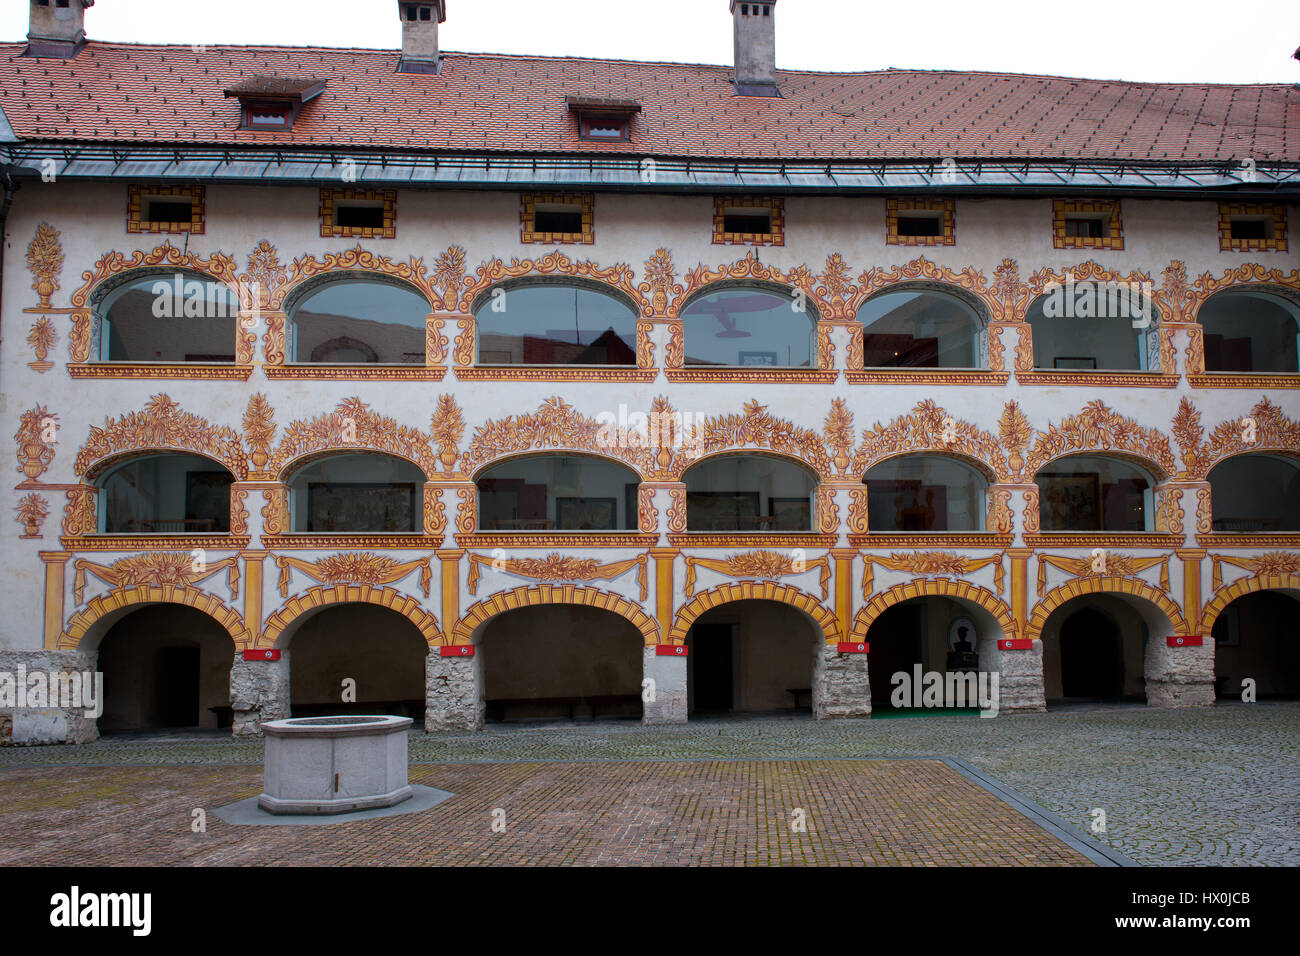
56	565
668	671
1020	679
841	687
453	689
259	691
52	723
1180	676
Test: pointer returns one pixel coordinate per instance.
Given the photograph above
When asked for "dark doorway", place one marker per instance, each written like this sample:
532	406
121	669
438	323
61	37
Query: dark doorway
895	646
176	670
1092	656
711	661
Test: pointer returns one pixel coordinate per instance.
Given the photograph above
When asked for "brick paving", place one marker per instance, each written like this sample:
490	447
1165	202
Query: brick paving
1192	787
914	812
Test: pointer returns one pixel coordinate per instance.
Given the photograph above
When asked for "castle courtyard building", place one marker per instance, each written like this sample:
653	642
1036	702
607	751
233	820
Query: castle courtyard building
479	387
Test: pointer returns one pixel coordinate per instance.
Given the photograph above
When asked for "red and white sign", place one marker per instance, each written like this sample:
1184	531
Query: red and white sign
456	650
268	655
670	650
853	647
1185	640
1015	644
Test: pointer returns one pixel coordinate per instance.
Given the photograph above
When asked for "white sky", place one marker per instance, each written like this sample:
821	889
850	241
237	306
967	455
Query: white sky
1151	40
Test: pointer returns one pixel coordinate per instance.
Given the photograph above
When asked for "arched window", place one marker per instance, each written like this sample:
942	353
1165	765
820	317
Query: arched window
168	493
919	327
749	493
925	493
1255	493
749	326
357	494
1250	330
171	317
1092	325
558	493
350	321
1093	493
549	323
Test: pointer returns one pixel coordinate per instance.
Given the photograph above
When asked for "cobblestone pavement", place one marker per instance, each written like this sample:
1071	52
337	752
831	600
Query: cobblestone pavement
914	812
1215	786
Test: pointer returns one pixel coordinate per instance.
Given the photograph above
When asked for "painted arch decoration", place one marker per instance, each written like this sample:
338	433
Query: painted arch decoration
113	266
929	428
519	597
162	425
730	592
129	596
352	427
618	277
1099	429
1273	431
1103	584
932	587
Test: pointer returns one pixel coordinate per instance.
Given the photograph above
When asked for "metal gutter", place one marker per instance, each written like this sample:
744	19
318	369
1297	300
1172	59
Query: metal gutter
414	168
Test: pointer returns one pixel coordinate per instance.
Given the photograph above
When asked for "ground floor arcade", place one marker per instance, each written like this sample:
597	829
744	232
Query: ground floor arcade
167	665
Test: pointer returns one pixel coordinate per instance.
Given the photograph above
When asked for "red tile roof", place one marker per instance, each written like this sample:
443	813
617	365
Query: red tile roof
173	94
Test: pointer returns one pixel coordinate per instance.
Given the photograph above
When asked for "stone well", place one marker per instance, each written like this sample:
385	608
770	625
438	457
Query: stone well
319	765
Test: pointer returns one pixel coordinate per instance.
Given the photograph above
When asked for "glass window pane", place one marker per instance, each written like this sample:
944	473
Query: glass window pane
356	322
558	493
1251	493
1250	332
1086	493
748	327
547	324
917	328
749	493
354	494
174	317
1066	339
167	494
925	493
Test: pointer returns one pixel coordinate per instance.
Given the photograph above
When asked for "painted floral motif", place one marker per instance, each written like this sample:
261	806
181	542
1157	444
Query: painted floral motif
446	428
32	510
41	338
660	283
163	425
352	425
45	260
448	276
177	569
929	428
1100	428
36	437
259	431
360	567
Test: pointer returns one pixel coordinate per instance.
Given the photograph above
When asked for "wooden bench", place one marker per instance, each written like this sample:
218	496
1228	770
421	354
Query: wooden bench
497	709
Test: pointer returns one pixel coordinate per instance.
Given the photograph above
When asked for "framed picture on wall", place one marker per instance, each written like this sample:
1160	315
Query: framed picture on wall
789	514
721	510
1070	501
1074	362
207	501
354	507
586	514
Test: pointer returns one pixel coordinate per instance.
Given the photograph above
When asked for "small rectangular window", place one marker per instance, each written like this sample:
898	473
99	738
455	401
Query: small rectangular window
759	225
1084	227
545	220
1251	229
920	226
359	216
168	210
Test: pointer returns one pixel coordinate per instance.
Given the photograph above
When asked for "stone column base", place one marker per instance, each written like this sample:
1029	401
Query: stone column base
841	687
50	724
453	693
1020	681
1179	676
259	691
668	703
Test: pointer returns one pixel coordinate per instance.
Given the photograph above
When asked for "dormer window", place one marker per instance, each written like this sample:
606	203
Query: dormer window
272	103
604	120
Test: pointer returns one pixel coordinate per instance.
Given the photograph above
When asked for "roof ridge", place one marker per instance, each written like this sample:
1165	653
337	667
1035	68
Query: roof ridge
92	45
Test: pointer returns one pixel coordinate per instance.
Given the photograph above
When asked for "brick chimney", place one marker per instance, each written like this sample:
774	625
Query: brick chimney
755	32
420	19
57	28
